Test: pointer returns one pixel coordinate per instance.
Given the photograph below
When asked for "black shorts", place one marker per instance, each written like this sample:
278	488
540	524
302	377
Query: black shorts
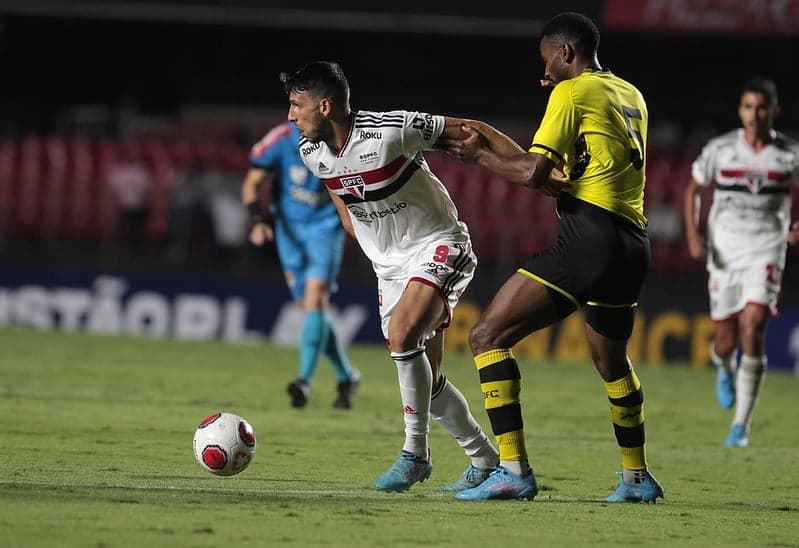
599	259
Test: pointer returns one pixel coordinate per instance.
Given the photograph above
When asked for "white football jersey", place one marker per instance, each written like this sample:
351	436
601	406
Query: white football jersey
397	205
751	211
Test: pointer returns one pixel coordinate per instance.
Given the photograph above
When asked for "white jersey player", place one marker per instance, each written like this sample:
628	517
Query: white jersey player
401	214
406	224
749	219
751	171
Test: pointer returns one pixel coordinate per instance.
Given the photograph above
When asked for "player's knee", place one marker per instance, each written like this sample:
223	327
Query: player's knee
403	336
753	335
724	344
481	338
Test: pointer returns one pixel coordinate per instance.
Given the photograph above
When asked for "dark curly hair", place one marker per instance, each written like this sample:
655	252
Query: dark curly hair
577	29
321	79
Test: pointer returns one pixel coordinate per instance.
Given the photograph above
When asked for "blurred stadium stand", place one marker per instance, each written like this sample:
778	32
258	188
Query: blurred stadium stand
173	84
57	187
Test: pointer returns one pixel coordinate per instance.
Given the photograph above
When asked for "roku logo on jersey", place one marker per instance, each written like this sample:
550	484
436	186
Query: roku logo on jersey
307	150
368	216
371	134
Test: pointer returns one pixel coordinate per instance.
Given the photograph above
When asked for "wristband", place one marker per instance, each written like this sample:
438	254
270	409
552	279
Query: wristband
257	214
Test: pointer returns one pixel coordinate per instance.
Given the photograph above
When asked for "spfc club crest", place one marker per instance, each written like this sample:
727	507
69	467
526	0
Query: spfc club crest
355	185
755	181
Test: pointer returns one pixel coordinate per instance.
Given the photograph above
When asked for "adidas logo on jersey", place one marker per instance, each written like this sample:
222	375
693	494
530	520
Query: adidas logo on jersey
323	168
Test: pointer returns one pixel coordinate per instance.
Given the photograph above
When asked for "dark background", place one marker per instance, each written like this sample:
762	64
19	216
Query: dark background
209	70
158	58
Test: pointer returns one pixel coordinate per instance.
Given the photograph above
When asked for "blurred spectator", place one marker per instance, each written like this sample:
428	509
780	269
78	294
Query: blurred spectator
207	192
130	183
187	210
223	188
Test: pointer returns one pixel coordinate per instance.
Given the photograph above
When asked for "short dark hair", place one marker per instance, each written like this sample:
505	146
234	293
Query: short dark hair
321	79
577	29
762	85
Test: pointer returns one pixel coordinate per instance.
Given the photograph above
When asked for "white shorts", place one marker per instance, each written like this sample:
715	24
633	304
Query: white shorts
447	266
731	290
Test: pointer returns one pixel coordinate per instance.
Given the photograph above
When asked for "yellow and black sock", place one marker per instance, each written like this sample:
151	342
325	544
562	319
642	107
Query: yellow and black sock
500	384
627	412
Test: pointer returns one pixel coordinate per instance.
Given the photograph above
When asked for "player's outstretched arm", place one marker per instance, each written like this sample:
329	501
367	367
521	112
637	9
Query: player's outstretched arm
496	140
479	142
691	203
455	131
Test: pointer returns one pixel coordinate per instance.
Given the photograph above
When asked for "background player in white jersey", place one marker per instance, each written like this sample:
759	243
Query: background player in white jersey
751	170
406	224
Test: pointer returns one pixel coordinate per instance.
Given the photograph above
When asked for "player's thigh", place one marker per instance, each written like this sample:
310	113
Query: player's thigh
291	255
421	306
324	248
428	292
521	306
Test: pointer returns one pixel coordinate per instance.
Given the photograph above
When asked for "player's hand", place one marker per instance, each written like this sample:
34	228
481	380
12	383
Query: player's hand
261	233
697	248
556	183
793	234
464	149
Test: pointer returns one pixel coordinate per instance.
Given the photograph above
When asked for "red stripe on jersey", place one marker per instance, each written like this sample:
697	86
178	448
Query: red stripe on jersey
270	139
779	176
369	177
770	175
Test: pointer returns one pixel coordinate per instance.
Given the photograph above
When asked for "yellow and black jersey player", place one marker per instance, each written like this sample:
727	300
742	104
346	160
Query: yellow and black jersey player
589	152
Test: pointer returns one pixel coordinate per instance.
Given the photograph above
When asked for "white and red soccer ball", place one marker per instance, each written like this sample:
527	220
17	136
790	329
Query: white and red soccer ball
224	444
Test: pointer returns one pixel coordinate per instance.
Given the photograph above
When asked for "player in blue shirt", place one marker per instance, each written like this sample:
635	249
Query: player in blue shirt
306	229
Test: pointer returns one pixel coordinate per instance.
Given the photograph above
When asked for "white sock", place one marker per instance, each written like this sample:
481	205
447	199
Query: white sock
450	409
721	363
518	467
633	476
415	382
751	375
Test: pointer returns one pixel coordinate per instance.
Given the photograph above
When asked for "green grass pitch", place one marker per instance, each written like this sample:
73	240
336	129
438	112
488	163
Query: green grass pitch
96	435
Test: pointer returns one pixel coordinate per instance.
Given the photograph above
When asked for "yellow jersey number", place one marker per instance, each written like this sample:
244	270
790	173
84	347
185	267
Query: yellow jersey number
636	141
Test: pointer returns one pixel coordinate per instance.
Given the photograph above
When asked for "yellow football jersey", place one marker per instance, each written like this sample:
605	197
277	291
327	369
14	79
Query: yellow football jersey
595	128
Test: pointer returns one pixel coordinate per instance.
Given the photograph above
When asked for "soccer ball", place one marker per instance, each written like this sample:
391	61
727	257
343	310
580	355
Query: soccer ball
224	444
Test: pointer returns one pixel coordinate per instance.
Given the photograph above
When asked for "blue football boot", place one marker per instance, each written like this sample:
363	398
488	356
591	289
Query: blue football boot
646	491
406	470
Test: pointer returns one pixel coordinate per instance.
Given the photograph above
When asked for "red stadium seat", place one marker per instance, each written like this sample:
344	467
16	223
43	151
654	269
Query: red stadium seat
27	210
82	205
56	186
9	151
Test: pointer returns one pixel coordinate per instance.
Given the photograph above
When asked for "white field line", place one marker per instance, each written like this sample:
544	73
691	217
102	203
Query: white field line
245	491
188	489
